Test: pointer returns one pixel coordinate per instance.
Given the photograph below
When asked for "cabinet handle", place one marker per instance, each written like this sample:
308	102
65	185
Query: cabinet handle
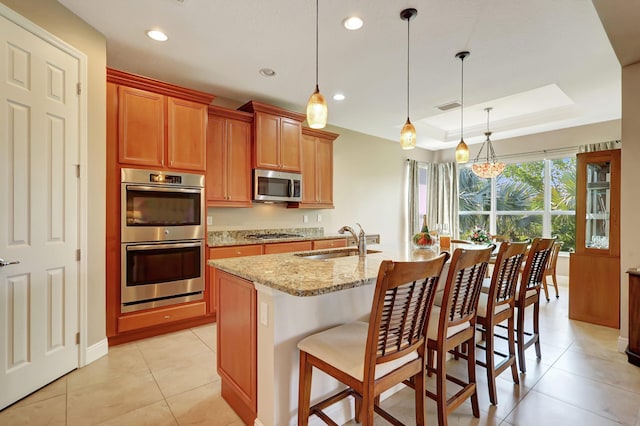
167	316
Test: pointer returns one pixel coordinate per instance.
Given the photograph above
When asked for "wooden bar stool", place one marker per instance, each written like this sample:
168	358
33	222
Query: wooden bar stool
550	270
453	324
528	294
497	306
371	358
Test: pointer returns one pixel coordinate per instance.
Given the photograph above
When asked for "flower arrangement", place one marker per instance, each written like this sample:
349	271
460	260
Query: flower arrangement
423	239
479	235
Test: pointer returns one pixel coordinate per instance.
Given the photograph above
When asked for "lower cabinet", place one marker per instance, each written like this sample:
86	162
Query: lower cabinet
237	333
161	316
594	290
223	253
327	244
289	247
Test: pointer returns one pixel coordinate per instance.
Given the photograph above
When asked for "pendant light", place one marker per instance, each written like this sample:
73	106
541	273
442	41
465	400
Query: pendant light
408	132
490	168
317	107
462	150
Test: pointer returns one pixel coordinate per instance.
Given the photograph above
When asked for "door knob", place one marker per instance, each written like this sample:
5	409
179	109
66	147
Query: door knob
7	263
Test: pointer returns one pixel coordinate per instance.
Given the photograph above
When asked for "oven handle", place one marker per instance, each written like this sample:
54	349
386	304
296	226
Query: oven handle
164	189
138	247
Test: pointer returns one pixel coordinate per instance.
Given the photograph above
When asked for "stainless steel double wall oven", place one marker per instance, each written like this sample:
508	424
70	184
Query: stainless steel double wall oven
162	236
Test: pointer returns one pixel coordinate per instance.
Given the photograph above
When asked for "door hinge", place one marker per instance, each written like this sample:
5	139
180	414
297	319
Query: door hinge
78	255
77	338
77	170
79	88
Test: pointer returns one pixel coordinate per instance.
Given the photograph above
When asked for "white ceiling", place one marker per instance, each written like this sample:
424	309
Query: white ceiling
542	65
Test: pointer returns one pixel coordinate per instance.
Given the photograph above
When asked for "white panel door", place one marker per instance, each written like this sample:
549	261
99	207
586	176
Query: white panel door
39	208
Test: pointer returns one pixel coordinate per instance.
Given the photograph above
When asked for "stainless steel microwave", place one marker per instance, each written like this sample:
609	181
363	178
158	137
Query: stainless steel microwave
274	186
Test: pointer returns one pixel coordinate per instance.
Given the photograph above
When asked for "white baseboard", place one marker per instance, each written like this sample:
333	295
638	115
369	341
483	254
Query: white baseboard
97	351
623	342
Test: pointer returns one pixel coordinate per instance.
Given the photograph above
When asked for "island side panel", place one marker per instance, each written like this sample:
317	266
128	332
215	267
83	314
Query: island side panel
236	343
284	320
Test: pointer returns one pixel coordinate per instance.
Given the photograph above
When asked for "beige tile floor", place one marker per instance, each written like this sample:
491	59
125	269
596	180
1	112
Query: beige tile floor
172	380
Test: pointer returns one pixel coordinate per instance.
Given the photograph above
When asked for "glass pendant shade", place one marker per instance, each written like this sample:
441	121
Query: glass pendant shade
408	136
462	152
487	170
317	107
317	110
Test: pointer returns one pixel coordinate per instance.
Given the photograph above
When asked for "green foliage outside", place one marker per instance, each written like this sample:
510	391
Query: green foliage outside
520	188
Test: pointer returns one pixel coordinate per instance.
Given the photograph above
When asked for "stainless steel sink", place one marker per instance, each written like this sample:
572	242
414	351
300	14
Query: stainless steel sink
333	254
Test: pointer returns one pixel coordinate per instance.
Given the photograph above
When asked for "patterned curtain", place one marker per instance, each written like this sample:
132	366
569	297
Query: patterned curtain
600	146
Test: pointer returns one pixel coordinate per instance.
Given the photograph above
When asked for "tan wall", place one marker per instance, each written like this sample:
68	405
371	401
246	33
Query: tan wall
367	187
59	21
630	194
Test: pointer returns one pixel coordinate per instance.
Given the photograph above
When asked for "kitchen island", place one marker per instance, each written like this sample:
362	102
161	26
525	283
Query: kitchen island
267	304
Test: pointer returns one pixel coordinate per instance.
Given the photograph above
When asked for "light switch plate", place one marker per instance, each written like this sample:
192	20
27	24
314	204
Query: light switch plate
319	217
209	220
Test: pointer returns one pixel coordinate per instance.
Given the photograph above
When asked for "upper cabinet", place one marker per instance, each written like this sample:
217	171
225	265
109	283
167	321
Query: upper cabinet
277	137
317	169
159	125
228	178
598	203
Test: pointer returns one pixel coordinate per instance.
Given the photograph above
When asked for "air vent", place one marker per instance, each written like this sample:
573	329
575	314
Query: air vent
448	106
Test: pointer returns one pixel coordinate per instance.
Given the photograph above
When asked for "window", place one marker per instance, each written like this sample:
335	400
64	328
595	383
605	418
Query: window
528	199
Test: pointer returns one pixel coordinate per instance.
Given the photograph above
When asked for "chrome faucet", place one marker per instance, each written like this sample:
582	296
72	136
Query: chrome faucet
361	240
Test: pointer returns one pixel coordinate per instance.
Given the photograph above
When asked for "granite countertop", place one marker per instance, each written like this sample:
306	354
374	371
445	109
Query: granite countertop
300	276
239	237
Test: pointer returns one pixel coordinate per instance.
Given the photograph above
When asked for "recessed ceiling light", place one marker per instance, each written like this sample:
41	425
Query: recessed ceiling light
353	23
338	97
157	35
267	72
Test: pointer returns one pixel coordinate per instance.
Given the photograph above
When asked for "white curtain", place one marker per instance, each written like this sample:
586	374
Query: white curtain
442	196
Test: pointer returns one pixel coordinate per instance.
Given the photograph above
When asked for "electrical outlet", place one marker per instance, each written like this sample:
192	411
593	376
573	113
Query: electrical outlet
319	217
209	220
305	218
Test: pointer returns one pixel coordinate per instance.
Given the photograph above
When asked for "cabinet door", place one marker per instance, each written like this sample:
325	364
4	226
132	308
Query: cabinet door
216	176
594	289
239	162
324	171
598	203
140	127
328	244
186	141
309	171
267	141
287	247
290	139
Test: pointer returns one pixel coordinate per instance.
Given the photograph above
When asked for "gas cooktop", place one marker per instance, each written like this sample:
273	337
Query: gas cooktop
273	236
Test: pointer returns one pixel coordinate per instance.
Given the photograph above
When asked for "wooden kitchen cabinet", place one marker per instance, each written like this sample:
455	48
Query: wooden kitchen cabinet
277	137
317	169
594	268
237	334
228	176
223	253
287	247
328	244
159	125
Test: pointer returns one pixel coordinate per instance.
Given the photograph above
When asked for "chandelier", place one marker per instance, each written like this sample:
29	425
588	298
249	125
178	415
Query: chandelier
490	168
